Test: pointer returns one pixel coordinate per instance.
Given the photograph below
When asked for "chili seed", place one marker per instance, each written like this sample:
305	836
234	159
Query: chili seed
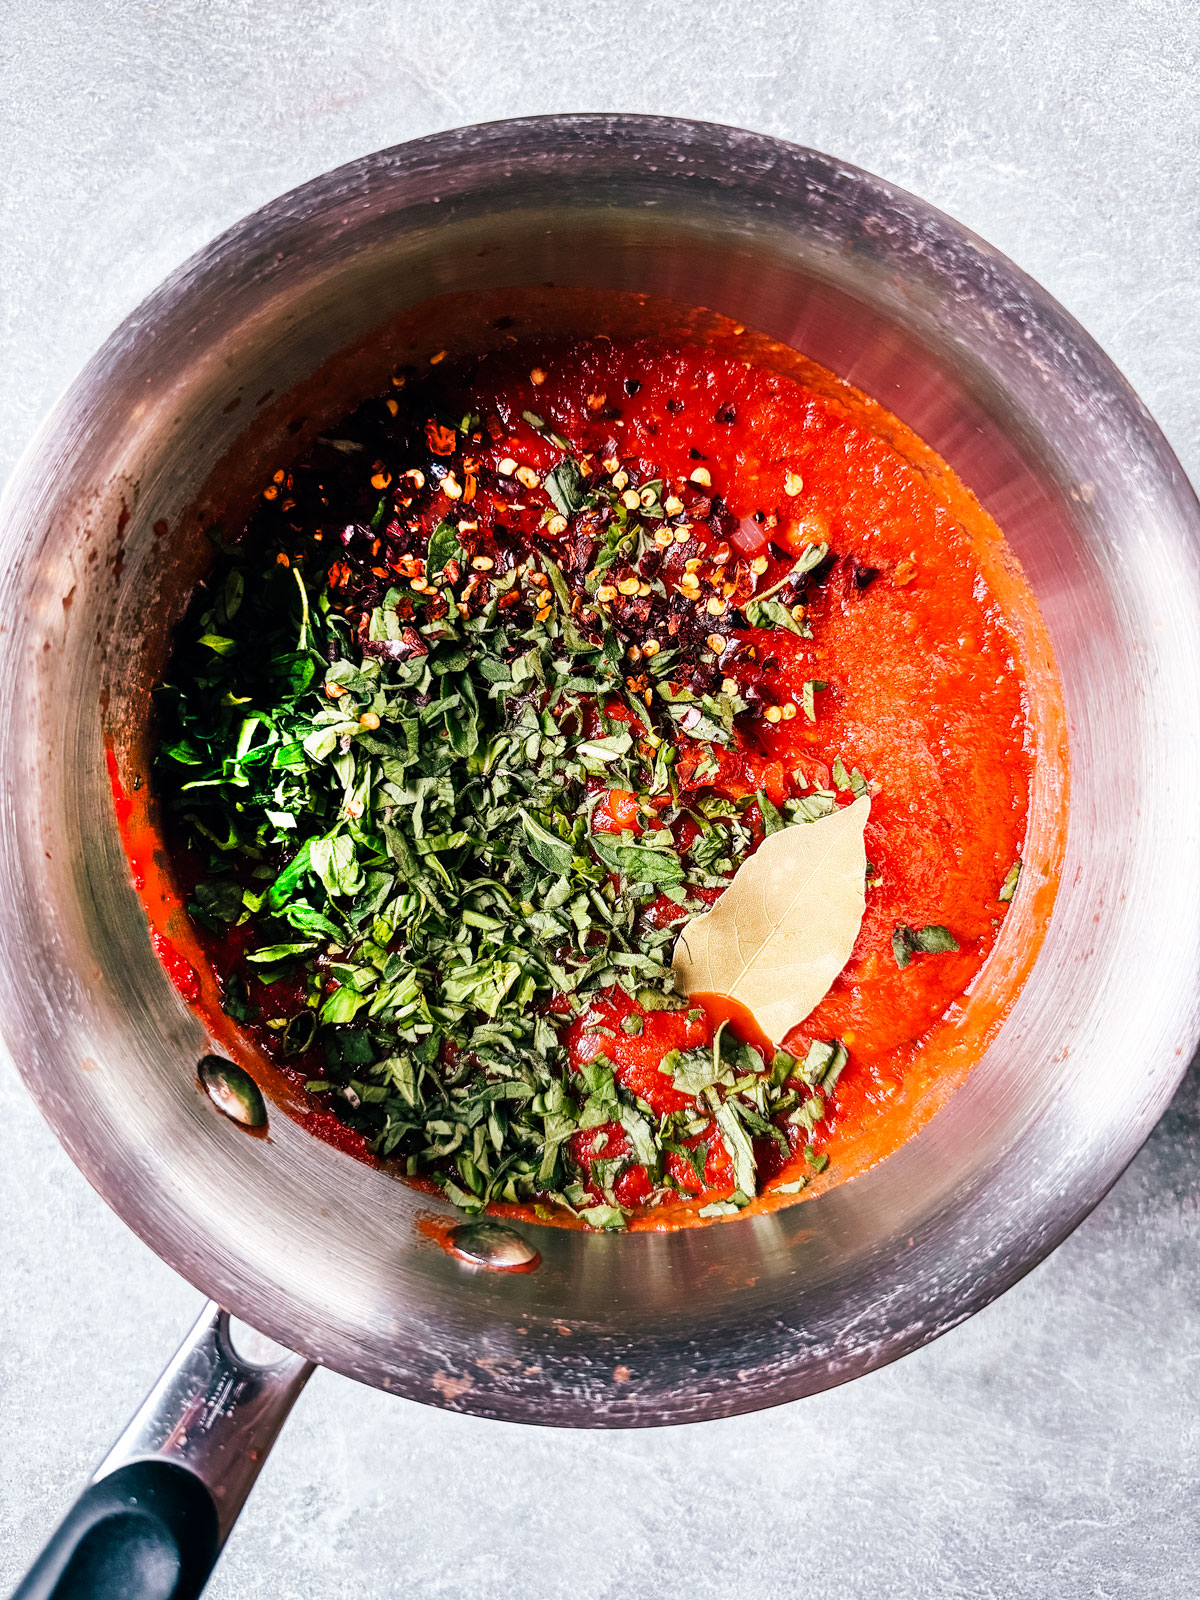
715	605
627	586
792	483
506	467
369	720
672	505
528	477
702	476
774	714
482	563
606	594
759	565
789	712
651	647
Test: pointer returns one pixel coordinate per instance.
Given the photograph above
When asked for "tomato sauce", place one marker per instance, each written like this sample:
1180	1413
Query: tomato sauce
925	695
923	690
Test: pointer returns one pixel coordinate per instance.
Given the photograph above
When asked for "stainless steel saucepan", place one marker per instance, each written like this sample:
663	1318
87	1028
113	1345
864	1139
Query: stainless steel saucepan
337	1261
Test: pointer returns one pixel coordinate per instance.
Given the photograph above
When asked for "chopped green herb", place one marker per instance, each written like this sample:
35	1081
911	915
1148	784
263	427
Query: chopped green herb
772	821
566	487
931	940
443	547
774	614
810	558
807	697
383	747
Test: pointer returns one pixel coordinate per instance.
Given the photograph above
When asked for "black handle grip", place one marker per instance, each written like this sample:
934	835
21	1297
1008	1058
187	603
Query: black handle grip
147	1531
151	1523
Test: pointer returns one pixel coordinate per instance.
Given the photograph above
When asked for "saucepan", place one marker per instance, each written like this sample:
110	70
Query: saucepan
313	1257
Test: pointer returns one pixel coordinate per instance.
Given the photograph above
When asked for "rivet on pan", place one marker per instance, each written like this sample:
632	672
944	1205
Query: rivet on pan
233	1091
492	1245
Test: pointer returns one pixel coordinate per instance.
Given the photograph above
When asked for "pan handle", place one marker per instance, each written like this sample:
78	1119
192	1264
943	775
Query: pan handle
155	1516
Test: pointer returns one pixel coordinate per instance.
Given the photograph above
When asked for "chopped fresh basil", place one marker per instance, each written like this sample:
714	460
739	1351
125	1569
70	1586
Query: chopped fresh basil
772	821
810	558
443	547
737	1142
930	940
774	614
808	697
280	952
384	747
566	487
639	862
545	847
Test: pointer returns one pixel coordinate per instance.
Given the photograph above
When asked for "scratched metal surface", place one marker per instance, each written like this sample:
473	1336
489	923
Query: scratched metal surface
1008	1457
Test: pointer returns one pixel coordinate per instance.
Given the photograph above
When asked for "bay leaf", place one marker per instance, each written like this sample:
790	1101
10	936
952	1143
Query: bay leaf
785	926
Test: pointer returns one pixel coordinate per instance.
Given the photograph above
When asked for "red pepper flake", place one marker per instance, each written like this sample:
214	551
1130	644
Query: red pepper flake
440	440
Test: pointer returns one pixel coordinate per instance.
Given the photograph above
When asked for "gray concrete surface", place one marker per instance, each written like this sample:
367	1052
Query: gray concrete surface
1049	1447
